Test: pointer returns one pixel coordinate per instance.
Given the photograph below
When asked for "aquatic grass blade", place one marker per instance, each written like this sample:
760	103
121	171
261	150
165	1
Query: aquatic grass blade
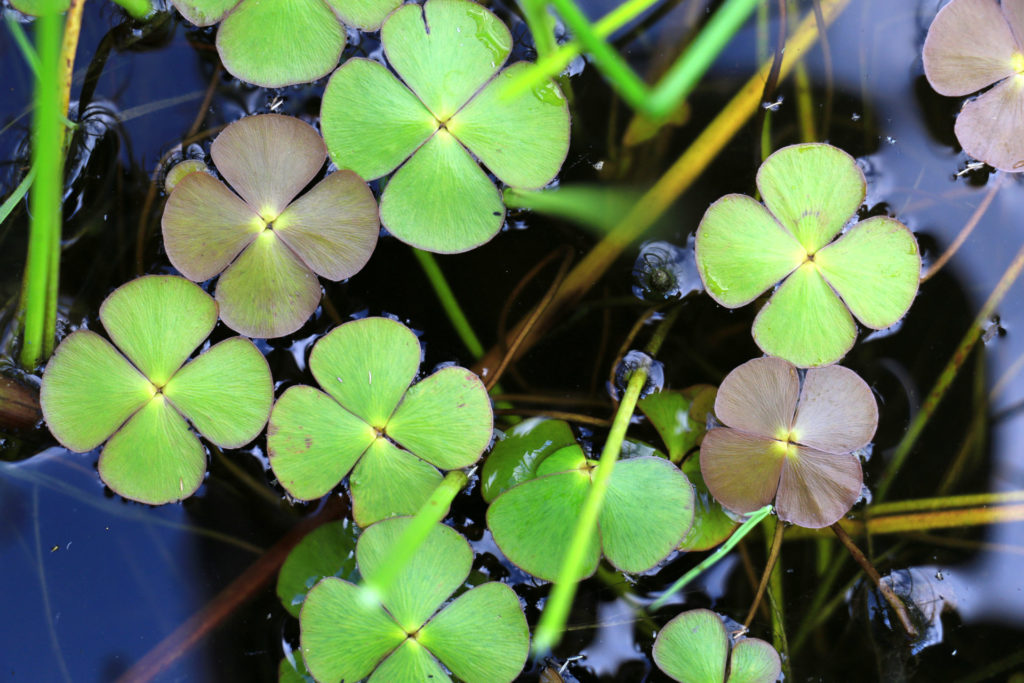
596	206
522	140
158	321
532	524
389	481
693	647
753	661
742	250
1000	109
328	550
451	401
741	471
204	12
89	389
813	190
313	442
969	46
367	365
875	268
333	228
441	200
371	122
154	458
481	636
464	46
267	292
366	15
515	458
431	575
409	663
805	322
837	411
817	488
343	637
226	393
759	397
647	511
205	226
268	159
253	48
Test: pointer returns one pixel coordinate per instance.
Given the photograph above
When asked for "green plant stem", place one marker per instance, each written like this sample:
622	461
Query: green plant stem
949	373
45	197
684	74
449	302
541	27
556	611
19	193
21	40
721	551
415	533
551	65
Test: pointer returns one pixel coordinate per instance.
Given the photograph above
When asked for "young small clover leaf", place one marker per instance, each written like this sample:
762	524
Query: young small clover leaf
971	45
267	248
789	441
452	106
274	43
481	636
647	510
92	393
810	192
694	647
391	436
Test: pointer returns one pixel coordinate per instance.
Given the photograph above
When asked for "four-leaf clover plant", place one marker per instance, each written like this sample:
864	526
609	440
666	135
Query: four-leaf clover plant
789	440
140	403
810	193
481	636
452	108
267	248
367	419
971	45
695	647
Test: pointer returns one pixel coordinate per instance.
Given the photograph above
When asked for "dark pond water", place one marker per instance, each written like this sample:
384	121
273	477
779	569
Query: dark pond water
91	583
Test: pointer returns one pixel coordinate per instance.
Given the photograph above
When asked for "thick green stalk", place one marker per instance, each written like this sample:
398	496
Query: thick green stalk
45	196
449	302
415	533
541	26
949	373
556	611
721	551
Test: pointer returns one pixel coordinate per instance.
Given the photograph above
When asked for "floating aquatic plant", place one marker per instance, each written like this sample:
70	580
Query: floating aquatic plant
533	518
695	647
328	550
367	419
274	44
267	248
143	400
810	193
450	106
480	637
971	45
680	418
789	440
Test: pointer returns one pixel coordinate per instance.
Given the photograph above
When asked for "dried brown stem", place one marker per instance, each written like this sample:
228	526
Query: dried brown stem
772	557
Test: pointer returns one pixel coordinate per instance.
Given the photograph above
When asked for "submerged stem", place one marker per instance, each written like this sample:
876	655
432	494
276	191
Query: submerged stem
773	555
448	301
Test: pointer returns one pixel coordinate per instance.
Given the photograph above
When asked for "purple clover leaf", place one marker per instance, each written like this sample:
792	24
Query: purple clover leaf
789	440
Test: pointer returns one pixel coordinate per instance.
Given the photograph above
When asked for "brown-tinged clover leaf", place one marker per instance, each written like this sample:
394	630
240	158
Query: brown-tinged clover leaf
973	44
790	440
267	246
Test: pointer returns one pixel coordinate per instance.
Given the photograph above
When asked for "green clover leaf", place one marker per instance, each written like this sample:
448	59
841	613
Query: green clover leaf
253	47
369	421
695	647
810	192
481	636
140	402
451	109
267	248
